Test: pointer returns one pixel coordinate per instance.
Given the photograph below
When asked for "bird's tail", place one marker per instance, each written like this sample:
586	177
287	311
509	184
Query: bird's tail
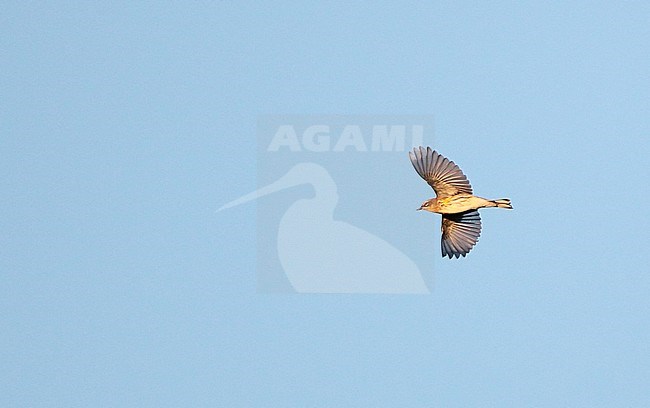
503	203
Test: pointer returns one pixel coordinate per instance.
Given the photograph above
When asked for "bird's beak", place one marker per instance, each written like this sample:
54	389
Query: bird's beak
419	209
284	182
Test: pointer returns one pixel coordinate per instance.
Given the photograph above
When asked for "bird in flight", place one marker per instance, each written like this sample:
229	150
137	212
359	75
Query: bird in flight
461	222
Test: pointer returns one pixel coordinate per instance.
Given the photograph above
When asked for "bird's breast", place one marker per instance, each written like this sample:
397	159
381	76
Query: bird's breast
456	204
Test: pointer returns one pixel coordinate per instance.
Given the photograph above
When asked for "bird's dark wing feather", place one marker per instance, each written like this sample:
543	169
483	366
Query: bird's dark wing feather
442	174
460	233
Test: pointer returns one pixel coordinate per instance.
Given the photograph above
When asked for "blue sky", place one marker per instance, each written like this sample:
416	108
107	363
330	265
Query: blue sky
125	126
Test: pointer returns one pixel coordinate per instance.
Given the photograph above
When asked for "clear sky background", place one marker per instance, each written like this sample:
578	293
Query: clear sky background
124	126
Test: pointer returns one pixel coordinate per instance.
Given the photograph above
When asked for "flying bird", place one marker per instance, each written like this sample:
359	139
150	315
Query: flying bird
461	222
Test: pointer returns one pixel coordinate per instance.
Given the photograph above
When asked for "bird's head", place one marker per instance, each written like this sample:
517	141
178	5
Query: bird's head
428	205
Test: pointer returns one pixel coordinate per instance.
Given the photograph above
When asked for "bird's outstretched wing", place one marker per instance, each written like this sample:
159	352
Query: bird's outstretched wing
442	174
460	233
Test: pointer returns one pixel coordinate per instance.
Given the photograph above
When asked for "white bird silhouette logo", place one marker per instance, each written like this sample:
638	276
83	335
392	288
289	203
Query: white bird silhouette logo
323	255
